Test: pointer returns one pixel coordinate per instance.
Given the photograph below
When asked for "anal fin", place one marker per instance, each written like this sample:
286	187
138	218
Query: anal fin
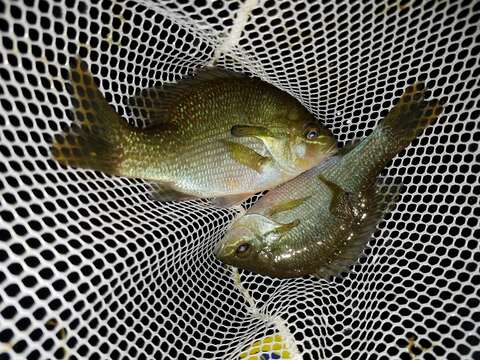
330	270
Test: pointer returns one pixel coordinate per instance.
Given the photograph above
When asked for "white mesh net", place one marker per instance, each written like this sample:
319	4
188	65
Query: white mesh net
91	267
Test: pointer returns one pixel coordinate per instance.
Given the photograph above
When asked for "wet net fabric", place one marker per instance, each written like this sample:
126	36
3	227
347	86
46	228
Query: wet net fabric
92	267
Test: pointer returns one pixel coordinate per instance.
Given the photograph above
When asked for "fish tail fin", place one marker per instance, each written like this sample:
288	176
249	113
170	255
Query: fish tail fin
96	138
411	115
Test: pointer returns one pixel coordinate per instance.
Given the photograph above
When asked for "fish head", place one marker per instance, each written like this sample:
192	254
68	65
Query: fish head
300	143
242	244
310	144
247	243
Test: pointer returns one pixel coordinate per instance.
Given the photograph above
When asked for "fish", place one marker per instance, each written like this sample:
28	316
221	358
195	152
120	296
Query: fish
319	223
219	135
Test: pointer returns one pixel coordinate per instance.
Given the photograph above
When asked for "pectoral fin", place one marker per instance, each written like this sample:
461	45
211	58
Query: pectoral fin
250	131
231	200
287	205
246	156
341	204
283	228
164	192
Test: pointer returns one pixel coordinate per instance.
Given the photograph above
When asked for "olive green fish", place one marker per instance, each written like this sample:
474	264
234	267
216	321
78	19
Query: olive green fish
218	135
319	222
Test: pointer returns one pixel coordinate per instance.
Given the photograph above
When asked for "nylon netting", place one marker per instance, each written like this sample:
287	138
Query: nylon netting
92	267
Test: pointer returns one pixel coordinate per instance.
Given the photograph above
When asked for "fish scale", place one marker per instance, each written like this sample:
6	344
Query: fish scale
188	147
310	245
319	222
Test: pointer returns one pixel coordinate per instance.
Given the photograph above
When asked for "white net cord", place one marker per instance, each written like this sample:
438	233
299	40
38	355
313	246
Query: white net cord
91	267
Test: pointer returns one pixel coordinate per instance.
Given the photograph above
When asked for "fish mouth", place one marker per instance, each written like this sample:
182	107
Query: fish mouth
217	250
223	254
223	251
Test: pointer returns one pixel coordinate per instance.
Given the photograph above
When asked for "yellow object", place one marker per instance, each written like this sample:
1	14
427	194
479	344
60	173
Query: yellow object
268	348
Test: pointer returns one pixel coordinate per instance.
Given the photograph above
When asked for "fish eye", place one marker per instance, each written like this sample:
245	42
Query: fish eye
311	132
243	249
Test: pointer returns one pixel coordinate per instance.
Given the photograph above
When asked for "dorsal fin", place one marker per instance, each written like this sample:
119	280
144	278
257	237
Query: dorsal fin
154	105
214	73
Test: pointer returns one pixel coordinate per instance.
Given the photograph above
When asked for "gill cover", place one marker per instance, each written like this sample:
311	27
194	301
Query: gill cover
256	230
